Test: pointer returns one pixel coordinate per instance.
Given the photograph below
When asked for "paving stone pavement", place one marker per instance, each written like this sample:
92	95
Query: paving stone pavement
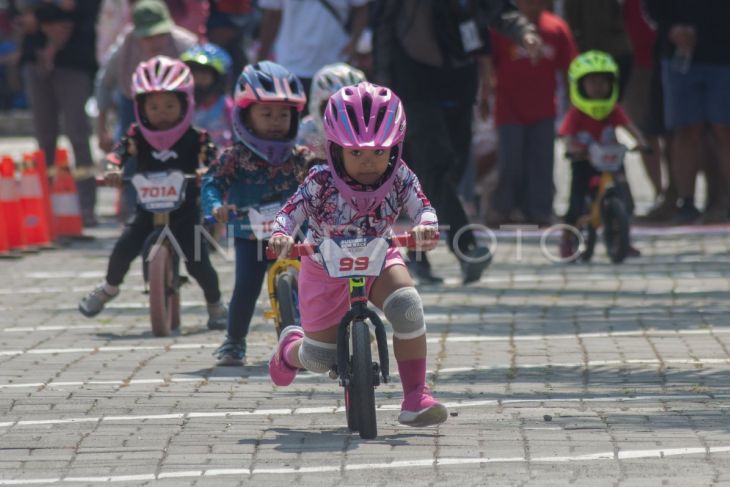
554	375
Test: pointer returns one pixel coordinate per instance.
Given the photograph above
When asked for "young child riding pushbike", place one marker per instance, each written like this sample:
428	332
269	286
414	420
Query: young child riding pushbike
161	140
360	192
263	166
592	122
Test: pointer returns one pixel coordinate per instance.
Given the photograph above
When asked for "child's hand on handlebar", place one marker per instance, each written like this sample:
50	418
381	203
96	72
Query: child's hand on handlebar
221	214
425	236
281	245
113	178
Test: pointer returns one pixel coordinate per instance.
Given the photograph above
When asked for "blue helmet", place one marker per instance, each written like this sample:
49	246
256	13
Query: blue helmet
209	55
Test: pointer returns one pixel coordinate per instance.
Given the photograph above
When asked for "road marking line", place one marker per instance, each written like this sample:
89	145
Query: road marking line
701	362
435	319
131	348
657	454
380	407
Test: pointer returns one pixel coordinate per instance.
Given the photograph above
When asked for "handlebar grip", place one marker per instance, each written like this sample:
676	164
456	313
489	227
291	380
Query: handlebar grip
407	240
297	250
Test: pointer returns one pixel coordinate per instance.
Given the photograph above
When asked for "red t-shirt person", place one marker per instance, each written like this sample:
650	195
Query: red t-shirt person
525	92
586	130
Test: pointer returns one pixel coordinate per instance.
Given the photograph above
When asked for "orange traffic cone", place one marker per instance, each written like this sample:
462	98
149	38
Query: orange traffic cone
65	201
35	218
10	204
39	158
5	251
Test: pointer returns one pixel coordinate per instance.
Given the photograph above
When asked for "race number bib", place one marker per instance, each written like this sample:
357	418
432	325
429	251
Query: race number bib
160	191
354	257
262	219
607	157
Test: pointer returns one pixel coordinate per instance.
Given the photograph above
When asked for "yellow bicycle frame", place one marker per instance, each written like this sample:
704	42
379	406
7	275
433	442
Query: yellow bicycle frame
594	217
279	266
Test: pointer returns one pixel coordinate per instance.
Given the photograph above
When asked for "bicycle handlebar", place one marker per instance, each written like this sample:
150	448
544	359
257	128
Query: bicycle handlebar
646	150
302	249
100	181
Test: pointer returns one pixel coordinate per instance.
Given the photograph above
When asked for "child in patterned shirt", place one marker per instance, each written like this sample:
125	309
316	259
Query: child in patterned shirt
262	166
360	192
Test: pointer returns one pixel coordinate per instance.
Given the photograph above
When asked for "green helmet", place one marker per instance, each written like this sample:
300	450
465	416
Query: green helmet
593	62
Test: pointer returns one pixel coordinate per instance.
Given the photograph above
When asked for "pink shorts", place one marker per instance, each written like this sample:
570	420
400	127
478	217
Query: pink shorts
324	300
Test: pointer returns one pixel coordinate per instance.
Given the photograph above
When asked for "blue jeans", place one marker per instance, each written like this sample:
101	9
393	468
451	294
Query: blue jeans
701	95
250	273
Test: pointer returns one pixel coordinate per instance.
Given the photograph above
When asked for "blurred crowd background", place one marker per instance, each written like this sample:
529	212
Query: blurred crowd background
474	117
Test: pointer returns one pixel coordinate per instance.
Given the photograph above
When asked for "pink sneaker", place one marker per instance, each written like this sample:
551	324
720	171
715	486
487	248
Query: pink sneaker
280	372
420	409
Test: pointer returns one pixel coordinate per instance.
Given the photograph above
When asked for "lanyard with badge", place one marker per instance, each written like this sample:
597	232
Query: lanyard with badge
471	40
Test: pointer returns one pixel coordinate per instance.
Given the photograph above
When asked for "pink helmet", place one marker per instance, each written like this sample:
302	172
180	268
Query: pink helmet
162	74
364	116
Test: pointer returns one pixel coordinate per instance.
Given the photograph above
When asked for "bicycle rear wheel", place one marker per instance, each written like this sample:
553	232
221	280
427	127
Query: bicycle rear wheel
161	290
362	389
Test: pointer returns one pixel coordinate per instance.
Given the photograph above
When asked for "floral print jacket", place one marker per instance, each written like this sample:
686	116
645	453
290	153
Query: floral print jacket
241	178
318	202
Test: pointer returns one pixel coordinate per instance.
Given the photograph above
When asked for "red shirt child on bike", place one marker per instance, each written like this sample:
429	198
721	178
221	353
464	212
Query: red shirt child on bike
593	119
360	192
161	140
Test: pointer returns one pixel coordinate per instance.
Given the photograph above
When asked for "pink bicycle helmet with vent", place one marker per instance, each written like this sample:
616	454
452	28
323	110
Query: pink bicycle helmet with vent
364	116
162	74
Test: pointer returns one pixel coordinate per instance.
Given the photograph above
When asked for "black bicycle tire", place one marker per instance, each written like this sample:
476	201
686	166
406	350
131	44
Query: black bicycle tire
361	381
615	229
351	410
589	241
286	286
160	283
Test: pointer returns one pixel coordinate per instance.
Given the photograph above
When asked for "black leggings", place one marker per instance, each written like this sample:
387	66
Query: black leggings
182	226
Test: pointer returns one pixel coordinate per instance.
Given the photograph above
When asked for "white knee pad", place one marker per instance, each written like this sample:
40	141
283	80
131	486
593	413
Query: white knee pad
404	310
317	356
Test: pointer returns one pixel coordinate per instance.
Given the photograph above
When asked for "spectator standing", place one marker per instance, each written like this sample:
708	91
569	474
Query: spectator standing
599	25
525	115
230	23
429	52
58	65
310	34
9	55
696	80
115	16
641	86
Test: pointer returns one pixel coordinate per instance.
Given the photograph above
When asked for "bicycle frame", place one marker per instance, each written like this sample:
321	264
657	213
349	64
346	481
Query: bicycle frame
606	182
276	268
359	311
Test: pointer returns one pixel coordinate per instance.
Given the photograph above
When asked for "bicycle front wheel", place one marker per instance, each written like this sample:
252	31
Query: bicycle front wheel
287	296
161	284
615	229
362	389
